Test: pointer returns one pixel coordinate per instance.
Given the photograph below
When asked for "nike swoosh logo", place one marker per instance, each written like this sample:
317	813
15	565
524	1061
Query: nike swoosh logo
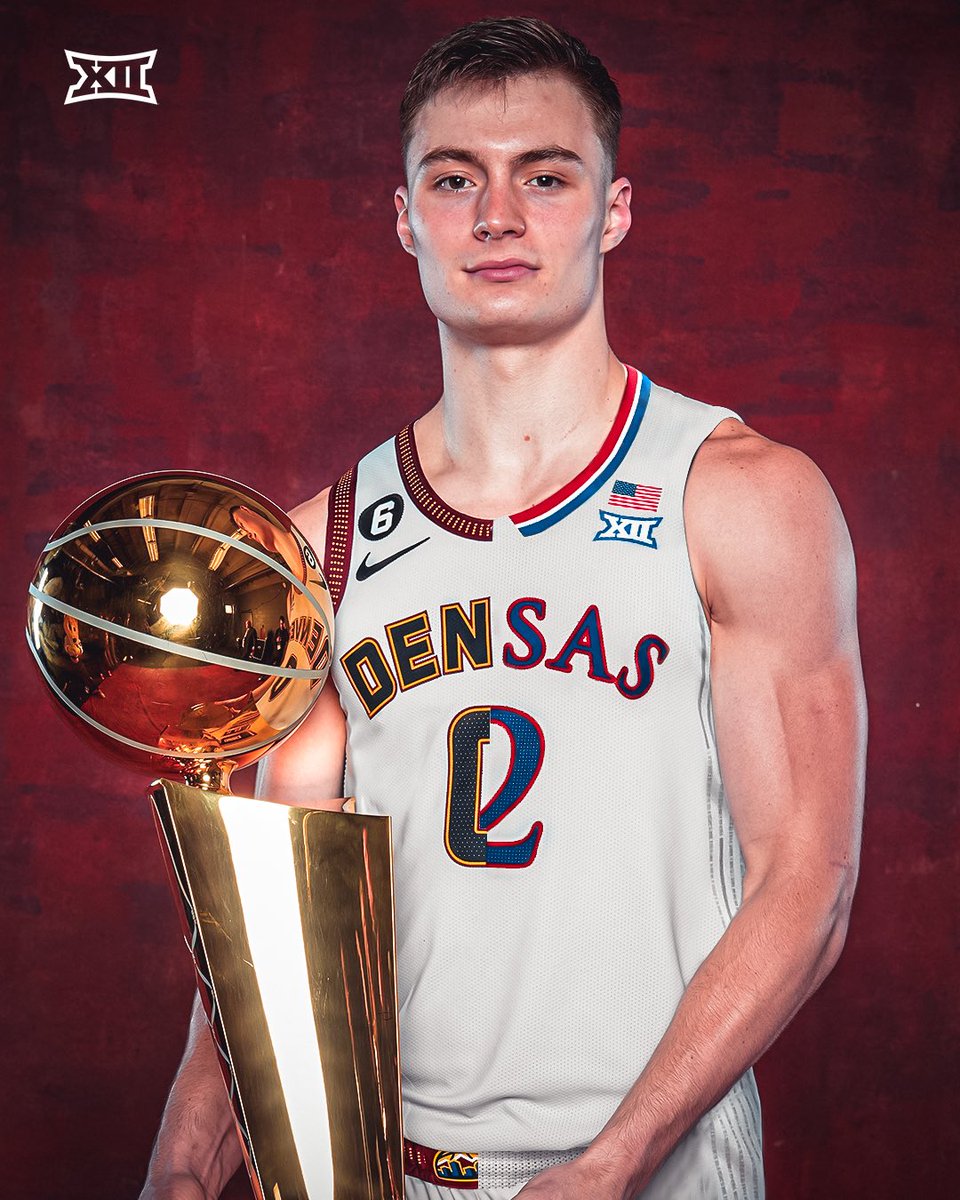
366	569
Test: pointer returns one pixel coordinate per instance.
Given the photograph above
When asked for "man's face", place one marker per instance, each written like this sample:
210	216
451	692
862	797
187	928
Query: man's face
515	176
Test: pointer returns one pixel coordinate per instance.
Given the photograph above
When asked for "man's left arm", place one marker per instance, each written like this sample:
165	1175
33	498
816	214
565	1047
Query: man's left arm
774	567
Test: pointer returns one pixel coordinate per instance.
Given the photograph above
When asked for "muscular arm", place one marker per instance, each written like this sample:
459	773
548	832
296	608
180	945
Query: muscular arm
775	570
197	1149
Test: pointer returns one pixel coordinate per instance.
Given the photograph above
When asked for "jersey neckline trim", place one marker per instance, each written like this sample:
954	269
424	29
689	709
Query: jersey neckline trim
559	504
427	500
633	405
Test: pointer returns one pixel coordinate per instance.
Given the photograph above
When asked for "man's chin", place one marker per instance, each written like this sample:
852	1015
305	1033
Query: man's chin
502	329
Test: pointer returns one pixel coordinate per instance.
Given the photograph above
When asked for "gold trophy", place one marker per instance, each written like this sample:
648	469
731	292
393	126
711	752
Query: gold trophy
184	623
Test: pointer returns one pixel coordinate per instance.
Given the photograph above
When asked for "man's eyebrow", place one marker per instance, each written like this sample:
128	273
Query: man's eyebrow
527	158
447	154
556	154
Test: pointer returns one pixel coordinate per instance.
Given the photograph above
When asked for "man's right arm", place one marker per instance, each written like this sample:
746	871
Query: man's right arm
197	1150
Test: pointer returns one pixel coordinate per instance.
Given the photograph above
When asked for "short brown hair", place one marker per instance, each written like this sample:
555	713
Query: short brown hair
494	50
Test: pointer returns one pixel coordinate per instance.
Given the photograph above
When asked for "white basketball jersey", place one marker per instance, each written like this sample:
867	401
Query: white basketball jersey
529	699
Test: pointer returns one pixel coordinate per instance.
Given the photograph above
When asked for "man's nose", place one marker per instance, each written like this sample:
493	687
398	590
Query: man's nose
499	213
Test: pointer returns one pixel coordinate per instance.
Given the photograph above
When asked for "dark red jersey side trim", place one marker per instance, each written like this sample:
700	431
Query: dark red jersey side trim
340	534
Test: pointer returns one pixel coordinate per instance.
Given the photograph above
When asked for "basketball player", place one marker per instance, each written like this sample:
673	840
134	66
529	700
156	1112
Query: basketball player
596	648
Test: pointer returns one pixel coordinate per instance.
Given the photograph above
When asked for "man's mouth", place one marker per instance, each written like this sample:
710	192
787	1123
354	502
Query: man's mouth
502	270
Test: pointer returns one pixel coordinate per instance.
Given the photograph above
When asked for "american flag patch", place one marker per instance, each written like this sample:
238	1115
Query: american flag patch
635	495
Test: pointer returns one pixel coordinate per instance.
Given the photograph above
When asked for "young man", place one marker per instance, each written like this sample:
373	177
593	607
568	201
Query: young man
597	651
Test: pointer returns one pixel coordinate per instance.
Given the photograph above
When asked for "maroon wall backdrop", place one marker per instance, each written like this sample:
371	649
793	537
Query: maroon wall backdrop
215	282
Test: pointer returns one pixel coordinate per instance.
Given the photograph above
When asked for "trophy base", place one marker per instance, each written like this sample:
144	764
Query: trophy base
288	913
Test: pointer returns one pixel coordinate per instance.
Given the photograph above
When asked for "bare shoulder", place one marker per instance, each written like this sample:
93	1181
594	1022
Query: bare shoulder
757	510
310	518
737	463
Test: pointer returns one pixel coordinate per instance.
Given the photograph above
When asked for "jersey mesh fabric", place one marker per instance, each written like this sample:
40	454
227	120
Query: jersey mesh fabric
513	1170
538	971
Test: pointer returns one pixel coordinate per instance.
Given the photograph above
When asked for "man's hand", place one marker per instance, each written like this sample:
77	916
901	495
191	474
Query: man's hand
586	1178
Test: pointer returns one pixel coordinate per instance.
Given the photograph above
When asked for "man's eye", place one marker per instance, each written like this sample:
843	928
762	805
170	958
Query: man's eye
453	183
546	181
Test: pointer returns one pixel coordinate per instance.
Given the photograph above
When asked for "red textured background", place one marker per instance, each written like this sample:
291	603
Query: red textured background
215	282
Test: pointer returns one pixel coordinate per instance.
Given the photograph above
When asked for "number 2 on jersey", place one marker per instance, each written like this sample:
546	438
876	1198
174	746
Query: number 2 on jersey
468	821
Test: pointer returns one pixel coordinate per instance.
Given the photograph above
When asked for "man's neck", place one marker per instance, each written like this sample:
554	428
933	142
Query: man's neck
517	422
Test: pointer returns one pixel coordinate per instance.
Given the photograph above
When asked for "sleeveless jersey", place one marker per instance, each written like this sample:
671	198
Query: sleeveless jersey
529	699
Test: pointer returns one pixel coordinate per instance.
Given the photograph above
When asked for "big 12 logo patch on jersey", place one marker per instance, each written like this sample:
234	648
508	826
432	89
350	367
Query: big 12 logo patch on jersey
633	522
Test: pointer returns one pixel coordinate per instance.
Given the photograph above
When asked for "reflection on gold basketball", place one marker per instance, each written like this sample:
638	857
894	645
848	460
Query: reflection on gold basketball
183	621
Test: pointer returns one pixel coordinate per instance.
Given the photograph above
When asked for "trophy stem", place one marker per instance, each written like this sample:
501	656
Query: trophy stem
209	775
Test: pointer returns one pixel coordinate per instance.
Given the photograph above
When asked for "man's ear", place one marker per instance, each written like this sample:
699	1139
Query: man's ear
400	199
618	214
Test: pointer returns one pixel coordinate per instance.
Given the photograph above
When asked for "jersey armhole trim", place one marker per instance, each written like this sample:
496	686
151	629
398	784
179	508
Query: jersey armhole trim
339	542
715	418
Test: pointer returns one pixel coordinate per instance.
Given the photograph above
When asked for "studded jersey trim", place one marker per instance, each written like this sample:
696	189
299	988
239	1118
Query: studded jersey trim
340	534
427	500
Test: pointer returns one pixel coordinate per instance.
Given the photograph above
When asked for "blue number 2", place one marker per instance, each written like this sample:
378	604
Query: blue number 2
467	823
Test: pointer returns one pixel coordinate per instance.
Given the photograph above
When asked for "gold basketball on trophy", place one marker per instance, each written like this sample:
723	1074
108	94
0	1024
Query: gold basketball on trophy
183	621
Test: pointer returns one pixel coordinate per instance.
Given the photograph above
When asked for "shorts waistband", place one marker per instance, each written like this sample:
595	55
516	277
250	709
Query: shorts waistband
471	1170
